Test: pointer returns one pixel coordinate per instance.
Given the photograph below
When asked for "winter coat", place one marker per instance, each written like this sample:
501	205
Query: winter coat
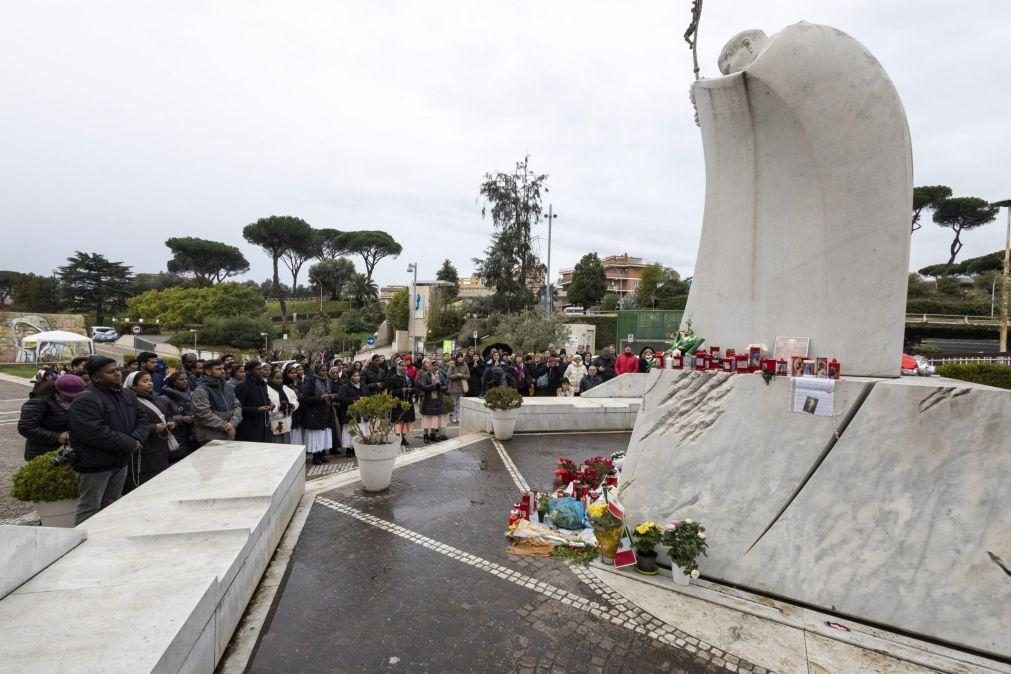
457	374
401	387
374	379
280	420
348	395
626	363
105	425
255	425
211	413
605	366
433	385
314	410
589	381
476	378
154	455
575	375
175	405
498	374
42	420
554	373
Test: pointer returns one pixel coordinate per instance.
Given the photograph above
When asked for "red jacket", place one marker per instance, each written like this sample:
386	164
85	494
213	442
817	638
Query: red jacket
626	363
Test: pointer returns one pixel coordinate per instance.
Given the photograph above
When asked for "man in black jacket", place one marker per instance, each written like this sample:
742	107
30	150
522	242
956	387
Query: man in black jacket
107	427
255	402
374	376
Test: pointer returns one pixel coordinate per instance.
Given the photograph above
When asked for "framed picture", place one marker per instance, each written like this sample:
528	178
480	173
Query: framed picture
809	366
788	347
797	366
821	368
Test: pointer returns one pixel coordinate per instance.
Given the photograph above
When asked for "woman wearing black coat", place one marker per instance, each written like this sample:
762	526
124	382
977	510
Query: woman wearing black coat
348	395
314	412
43	420
255	401
433	385
154	454
476	381
400	386
176	405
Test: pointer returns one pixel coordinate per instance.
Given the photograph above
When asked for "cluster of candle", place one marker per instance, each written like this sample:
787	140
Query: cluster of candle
753	361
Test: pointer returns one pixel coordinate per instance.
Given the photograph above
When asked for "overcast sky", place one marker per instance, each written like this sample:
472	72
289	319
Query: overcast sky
124	123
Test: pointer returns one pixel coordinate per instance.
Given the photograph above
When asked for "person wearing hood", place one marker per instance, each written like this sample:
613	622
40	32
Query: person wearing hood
43	421
236	375
605	364
216	411
106	428
317	396
154	455
348	395
284	404
256	406
401	387
176	404
648	359
626	362
289	376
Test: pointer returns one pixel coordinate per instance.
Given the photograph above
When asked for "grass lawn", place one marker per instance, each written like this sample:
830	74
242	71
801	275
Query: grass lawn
25	371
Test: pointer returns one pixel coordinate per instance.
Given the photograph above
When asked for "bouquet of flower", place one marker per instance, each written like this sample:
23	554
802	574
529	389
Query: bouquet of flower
601	518
646	536
590	477
565	472
601	464
686	540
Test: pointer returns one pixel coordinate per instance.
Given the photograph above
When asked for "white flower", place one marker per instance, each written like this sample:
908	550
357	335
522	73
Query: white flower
695	573
702	534
688	521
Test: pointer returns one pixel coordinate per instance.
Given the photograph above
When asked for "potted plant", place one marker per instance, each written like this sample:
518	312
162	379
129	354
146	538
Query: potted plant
504	402
686	540
606	529
376	446
52	488
644	540
542	507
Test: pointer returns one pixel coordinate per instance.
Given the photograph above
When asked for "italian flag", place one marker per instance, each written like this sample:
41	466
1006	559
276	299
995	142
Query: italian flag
626	554
613	506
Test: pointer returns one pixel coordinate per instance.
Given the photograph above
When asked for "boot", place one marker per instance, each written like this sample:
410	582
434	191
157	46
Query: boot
315	460
403	441
427	439
334	451
350	451
322	457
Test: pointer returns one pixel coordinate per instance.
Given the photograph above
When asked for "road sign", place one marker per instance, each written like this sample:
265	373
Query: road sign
475	334
285	336
136	329
631	338
370	341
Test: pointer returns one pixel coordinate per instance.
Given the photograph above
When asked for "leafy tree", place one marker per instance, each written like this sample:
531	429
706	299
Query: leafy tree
372	246
240	332
33	292
589	284
514	200
447	272
928	196
361	290
398	311
276	235
354	322
7	280
660	288
208	261
963	214
939	270
332	274
531	330
949	285
297	255
160	281
628	302
182	307
609	302
331	243
90	282
984	263
917	287
443	320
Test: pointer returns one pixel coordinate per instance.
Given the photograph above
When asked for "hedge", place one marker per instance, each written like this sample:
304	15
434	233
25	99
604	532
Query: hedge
947	307
307	307
990	374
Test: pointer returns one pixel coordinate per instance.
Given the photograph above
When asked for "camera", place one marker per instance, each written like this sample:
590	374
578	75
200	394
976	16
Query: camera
68	455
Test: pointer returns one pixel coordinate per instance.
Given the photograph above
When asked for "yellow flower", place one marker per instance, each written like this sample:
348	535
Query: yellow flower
597	510
645	528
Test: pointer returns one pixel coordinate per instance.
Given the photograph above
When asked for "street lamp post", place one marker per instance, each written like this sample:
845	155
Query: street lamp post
549	299
1007	272
264	335
413	268
194	340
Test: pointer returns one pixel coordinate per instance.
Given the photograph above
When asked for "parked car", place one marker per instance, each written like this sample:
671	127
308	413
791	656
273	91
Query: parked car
102	333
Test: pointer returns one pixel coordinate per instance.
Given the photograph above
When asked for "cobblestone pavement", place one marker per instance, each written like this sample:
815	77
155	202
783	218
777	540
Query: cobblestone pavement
12	447
417	579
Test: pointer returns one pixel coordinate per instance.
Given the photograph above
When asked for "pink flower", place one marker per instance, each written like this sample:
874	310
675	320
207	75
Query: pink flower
672	524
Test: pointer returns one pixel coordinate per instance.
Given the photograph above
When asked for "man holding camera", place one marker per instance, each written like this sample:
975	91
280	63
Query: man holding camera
106	427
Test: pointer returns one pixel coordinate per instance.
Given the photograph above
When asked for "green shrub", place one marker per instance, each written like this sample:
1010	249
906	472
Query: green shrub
240	332
503	398
184	306
990	374
947	307
39	481
375	411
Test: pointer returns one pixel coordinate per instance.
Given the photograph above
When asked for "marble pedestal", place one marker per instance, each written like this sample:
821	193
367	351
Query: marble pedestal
24	551
556	414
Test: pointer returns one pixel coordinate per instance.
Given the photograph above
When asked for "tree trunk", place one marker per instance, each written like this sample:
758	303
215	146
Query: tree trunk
280	295
956	246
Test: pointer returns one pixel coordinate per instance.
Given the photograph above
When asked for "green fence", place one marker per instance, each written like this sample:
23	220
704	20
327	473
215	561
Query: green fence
648	327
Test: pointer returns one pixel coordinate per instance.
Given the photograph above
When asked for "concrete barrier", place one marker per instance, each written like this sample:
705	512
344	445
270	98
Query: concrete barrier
630	385
24	551
556	414
166	572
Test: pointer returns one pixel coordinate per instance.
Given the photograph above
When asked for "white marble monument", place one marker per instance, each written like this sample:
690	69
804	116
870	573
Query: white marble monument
808	199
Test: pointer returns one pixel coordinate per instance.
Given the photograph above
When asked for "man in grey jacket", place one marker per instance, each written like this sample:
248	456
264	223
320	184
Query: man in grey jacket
216	412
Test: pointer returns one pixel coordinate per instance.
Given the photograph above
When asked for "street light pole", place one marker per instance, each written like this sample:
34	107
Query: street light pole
413	268
1007	272
264	335
549	300
194	341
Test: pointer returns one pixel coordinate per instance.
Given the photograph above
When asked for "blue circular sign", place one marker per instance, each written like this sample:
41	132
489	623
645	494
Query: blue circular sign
370	341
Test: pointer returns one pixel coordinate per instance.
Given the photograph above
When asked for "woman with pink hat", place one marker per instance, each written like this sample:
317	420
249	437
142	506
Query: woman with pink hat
43	420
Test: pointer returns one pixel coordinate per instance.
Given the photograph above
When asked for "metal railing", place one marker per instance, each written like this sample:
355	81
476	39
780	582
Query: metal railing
949	319
998	358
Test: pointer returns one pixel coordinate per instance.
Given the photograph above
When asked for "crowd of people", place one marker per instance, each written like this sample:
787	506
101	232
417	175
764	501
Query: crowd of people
120	426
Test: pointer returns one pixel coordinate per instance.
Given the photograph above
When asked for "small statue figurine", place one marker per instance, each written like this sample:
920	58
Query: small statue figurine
686	341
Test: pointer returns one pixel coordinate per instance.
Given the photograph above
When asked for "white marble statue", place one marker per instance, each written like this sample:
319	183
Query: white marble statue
808	195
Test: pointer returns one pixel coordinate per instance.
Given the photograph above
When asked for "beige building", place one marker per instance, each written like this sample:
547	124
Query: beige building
386	293
472	287
621	271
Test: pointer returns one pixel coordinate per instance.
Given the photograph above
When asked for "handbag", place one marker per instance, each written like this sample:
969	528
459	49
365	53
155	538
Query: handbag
171	441
465	385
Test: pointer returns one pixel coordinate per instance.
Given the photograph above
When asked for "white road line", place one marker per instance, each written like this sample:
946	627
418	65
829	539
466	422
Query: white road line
514	472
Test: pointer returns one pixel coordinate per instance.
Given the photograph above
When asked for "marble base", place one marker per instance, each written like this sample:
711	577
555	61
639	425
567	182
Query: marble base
166	572
895	523
24	551
630	385
556	414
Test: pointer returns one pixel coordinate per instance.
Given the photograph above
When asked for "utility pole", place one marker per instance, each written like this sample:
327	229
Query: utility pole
413	268
1007	272
549	300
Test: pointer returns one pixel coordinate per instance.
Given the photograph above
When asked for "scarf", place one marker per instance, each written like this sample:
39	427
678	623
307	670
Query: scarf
321	385
521	375
280	391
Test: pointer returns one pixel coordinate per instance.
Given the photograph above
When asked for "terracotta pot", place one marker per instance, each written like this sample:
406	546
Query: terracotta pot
607	541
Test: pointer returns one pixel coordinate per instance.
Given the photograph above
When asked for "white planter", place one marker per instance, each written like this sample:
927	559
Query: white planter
375	463
680	577
57	513
503	422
